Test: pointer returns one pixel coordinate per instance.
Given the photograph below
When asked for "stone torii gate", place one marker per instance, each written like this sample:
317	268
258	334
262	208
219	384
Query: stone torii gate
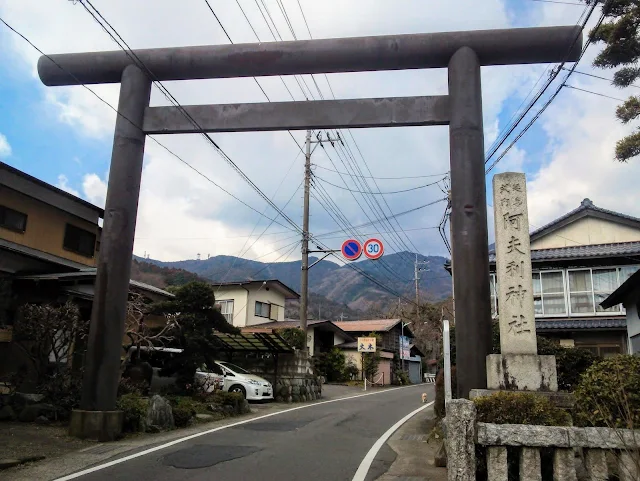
463	53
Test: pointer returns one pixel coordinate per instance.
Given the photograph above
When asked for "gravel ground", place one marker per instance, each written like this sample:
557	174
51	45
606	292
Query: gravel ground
19	440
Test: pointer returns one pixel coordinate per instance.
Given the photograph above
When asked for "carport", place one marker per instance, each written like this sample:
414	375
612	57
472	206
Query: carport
254	342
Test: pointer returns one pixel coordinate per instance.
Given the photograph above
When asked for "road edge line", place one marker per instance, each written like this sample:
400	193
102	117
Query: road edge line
124	459
365	465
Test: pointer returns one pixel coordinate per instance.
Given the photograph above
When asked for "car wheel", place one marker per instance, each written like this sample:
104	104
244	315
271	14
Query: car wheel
238	389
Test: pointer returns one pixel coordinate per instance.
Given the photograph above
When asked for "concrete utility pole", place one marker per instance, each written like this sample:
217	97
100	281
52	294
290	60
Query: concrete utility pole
304	280
416	278
304	283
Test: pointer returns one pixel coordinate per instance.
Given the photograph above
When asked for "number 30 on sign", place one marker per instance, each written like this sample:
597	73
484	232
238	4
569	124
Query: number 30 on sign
373	249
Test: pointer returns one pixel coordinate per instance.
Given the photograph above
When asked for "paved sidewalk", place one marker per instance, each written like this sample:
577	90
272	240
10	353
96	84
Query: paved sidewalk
414	455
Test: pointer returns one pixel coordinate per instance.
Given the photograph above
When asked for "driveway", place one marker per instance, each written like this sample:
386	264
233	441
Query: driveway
322	441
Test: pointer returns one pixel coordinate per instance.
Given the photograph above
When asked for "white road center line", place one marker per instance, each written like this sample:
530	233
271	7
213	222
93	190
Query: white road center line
204	433
363	469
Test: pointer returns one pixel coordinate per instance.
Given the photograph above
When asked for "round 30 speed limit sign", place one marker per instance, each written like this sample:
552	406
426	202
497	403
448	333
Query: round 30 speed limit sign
373	249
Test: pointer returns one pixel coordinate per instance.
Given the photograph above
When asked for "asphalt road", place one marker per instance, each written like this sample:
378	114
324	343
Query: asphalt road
322	442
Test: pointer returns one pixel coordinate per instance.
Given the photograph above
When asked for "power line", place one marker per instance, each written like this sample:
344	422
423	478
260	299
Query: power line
382	178
399	214
174	101
138	127
554	73
598	77
377	193
555	94
594	93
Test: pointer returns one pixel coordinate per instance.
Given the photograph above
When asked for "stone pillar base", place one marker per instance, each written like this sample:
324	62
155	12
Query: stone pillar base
101	425
522	372
563	400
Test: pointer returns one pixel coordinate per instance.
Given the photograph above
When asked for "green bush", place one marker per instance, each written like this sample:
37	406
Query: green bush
135	411
294	337
608	394
439	405
571	363
225	398
351	371
184	409
401	377
331	365
520	408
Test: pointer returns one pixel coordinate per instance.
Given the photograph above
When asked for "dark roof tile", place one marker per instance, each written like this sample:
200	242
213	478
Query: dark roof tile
579	252
566	324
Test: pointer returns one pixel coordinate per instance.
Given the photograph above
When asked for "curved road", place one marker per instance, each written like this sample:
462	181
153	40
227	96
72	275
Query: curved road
325	441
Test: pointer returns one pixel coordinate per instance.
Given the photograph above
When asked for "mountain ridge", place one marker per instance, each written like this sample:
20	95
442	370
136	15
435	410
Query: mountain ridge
338	283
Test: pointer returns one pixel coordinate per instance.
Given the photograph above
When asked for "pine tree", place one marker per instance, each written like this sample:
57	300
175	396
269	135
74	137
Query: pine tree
620	35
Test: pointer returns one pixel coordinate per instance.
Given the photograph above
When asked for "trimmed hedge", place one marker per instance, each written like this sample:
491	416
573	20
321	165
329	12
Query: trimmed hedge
608	394
520	408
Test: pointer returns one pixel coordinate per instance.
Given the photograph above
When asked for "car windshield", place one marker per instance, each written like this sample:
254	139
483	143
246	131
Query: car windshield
234	368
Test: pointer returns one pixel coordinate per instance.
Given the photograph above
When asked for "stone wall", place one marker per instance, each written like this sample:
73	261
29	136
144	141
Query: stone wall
295	381
463	433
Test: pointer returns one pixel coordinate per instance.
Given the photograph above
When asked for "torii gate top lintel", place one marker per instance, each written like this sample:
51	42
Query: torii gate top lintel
354	54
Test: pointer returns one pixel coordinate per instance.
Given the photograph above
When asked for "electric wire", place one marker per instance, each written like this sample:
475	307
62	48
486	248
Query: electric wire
378	193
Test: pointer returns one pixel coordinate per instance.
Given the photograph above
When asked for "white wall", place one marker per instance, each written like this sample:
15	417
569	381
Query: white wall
261	294
239	297
311	337
587	231
633	317
338	338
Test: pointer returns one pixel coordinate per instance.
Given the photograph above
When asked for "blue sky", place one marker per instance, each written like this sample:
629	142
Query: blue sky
63	135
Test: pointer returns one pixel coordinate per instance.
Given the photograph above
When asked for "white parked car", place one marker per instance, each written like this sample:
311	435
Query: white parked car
229	377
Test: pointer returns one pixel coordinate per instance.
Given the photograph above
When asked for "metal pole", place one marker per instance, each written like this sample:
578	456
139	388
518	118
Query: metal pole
304	284
469	222
102	370
447	361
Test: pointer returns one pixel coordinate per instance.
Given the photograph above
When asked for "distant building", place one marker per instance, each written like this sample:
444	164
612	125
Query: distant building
43	228
252	303
578	261
49	246
322	335
390	330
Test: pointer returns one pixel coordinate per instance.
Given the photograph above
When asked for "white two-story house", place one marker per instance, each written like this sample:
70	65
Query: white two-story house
578	260
251	303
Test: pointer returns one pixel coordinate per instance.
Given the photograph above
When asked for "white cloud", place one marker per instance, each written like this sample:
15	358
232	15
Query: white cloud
180	212
5	147
63	183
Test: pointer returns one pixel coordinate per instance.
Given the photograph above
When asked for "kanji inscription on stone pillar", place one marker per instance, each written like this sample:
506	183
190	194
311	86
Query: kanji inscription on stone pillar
513	265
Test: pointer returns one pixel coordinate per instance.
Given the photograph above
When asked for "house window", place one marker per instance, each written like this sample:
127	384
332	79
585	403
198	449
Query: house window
581	292
589	287
609	350
226	308
273	315
263	309
79	241
12	219
605	281
548	293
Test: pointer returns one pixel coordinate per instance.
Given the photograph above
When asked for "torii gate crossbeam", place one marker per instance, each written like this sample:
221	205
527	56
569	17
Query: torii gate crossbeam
463	53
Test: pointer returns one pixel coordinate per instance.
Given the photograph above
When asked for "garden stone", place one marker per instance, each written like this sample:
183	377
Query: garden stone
295	390
28	398
244	407
42	420
159	413
31	412
205	417
153	429
7	413
215	408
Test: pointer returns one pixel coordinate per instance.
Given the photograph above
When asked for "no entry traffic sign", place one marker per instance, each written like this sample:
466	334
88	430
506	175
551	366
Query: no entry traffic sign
373	249
351	249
